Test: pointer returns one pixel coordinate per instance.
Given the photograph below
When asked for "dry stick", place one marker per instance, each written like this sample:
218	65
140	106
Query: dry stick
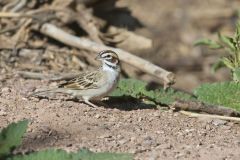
191	114
42	76
201	107
19	6
10	15
86	21
32	75
84	43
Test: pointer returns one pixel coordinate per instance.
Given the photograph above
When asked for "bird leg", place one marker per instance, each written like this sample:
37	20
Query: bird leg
90	104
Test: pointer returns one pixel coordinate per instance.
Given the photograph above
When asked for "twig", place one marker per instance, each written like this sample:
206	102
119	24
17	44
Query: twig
19	6
30	14
42	76
84	43
201	107
122	38
86	21
11	15
191	114
21	35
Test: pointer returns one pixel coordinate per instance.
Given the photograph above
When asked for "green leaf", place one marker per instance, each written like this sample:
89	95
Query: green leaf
216	66
226	94
50	154
236	75
238	29
85	154
228	63
167	97
130	87
210	43
11	137
138	89
228	41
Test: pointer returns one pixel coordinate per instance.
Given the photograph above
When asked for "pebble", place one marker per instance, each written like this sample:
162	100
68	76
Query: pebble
179	155
132	139
168	146
97	116
154	155
218	122
24	99
3	113
133	150
156	114
238	143
104	136
226	127
140	119
120	136
6	89
189	130
207	127
112	119
123	141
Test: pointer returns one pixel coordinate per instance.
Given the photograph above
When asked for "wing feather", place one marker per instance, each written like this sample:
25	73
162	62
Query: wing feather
86	80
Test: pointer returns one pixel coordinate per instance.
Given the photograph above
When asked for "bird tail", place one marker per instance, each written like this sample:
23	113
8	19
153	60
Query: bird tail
45	93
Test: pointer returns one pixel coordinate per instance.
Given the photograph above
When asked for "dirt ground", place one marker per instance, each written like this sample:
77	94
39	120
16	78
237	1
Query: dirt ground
148	133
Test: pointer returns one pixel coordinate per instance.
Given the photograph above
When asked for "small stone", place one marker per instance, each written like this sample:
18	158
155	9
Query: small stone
3	113
179	155
207	127
6	89
123	141
238	143
112	119
168	146
97	116
69	145
24	99
133	151
156	114
120	136
147	138
189	130
140	119
176	114
132	139
218	122
226	127
104	136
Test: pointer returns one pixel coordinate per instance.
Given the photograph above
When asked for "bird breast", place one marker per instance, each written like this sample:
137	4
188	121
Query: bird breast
110	81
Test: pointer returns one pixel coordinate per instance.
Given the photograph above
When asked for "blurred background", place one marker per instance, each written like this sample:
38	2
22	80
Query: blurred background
168	30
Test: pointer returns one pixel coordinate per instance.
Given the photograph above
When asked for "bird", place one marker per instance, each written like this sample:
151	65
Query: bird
91	85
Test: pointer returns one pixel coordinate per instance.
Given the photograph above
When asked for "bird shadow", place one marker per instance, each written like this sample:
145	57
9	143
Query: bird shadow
126	103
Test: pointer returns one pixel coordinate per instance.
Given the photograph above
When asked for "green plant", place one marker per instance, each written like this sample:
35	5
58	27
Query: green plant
232	46
83	154
225	94
11	137
138	89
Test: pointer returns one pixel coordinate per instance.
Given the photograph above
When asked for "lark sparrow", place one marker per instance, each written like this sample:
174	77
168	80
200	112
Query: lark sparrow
91	85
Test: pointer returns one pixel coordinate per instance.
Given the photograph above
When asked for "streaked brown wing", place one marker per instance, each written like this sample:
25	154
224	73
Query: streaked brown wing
84	81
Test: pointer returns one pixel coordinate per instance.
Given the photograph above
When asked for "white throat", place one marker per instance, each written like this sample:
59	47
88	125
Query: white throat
106	67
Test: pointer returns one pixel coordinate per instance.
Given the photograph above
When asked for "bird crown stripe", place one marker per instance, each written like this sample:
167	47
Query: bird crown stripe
106	53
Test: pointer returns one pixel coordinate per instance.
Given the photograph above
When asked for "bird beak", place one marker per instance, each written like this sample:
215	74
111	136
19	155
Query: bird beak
98	57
